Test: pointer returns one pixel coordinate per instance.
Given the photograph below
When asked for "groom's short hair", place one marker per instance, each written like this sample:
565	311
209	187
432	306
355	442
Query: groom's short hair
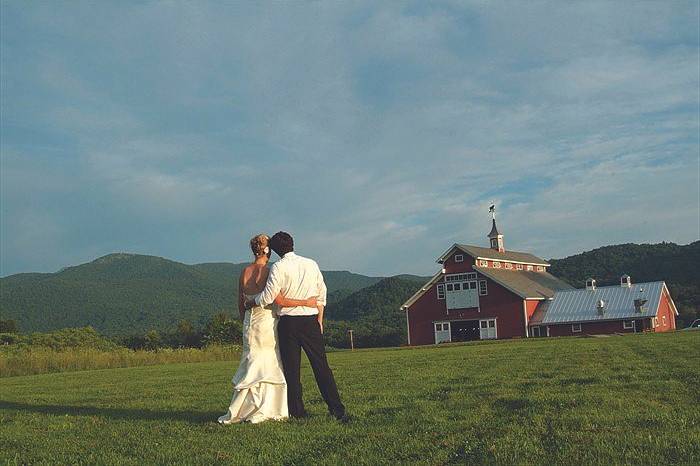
282	243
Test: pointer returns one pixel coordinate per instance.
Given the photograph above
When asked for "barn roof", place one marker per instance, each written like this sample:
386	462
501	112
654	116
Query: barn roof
492	254
525	283
580	305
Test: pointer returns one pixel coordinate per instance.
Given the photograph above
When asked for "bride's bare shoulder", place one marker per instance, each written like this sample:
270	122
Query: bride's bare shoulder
253	278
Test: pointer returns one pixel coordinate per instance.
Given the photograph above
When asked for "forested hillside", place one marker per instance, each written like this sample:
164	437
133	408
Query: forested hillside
675	264
121	294
373	314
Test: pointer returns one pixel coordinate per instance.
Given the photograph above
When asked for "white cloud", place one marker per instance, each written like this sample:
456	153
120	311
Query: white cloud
376	134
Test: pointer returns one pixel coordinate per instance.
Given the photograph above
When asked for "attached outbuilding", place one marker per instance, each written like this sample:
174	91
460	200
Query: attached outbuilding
627	308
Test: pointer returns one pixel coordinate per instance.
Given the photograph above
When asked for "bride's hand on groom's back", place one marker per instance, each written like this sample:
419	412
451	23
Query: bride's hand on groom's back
312	301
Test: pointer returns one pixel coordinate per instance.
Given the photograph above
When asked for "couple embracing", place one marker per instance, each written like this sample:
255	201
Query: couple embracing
267	383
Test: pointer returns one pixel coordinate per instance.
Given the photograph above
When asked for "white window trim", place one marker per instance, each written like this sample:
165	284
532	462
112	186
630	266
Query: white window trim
518	266
540	268
509	266
627	324
459	257
483	263
529	267
441	286
573	328
486	289
496	265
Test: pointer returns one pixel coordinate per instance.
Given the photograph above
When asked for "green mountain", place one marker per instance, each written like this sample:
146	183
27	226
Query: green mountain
372	313
675	264
129	293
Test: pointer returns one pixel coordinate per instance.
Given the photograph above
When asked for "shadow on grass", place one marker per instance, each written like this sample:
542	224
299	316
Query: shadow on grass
195	417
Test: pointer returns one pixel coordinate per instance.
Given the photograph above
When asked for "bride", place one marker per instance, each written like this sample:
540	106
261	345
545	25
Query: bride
260	391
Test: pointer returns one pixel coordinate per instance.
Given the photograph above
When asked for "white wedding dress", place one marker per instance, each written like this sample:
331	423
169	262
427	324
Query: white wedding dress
260	391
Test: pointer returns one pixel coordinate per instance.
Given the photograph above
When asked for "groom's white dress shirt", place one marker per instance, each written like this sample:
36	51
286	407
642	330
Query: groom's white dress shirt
296	277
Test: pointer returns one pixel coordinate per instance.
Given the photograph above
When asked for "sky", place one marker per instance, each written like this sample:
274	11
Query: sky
376	133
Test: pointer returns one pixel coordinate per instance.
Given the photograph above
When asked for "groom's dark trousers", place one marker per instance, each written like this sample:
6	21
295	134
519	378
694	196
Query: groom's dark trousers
295	333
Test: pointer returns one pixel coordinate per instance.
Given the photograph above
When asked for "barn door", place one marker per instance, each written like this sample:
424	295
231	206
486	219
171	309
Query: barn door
488	329
461	294
442	332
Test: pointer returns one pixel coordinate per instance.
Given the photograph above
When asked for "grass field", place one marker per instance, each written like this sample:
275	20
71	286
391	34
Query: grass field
631	399
39	360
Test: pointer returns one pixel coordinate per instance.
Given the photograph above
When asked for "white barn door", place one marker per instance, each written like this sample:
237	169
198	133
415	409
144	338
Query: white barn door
488	329
461	295
442	332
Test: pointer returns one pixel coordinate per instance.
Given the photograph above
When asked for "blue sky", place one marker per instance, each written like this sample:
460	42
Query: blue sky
376	133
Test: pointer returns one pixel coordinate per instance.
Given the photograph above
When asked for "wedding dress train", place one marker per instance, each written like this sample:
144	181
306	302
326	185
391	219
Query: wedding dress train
260	391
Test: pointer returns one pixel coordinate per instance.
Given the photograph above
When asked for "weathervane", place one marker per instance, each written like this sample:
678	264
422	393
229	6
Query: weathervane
492	211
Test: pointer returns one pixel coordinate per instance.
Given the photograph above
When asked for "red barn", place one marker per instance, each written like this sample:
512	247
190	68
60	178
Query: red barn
490	293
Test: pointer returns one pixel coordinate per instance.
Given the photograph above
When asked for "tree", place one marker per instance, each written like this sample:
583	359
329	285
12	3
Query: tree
222	329
186	335
8	326
152	340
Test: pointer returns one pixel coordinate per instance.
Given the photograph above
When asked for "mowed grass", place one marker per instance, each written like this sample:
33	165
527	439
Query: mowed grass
631	399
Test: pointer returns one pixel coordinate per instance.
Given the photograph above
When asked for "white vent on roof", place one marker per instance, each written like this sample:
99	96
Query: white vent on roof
626	281
600	305
590	284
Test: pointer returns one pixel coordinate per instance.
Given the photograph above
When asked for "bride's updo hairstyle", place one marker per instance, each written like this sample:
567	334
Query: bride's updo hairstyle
260	245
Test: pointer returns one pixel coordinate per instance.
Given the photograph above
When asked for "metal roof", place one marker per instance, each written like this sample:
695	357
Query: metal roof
580	305
526	284
492	254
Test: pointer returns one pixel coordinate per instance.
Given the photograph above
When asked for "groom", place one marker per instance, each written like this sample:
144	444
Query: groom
300	327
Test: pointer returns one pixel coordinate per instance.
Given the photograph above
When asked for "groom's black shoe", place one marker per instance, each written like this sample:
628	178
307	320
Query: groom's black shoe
303	415
343	418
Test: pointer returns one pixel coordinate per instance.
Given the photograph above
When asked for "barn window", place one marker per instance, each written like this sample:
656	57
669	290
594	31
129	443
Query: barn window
655	322
663	320
518	266
529	267
540	268
627	324
483	291
441	291
458	286
450	287
484	263
575	328
471	276
459	258
509	265
497	265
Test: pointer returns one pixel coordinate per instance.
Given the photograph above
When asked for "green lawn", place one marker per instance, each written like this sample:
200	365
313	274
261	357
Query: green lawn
631	399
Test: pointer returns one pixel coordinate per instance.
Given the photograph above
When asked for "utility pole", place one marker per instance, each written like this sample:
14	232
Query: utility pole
352	345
